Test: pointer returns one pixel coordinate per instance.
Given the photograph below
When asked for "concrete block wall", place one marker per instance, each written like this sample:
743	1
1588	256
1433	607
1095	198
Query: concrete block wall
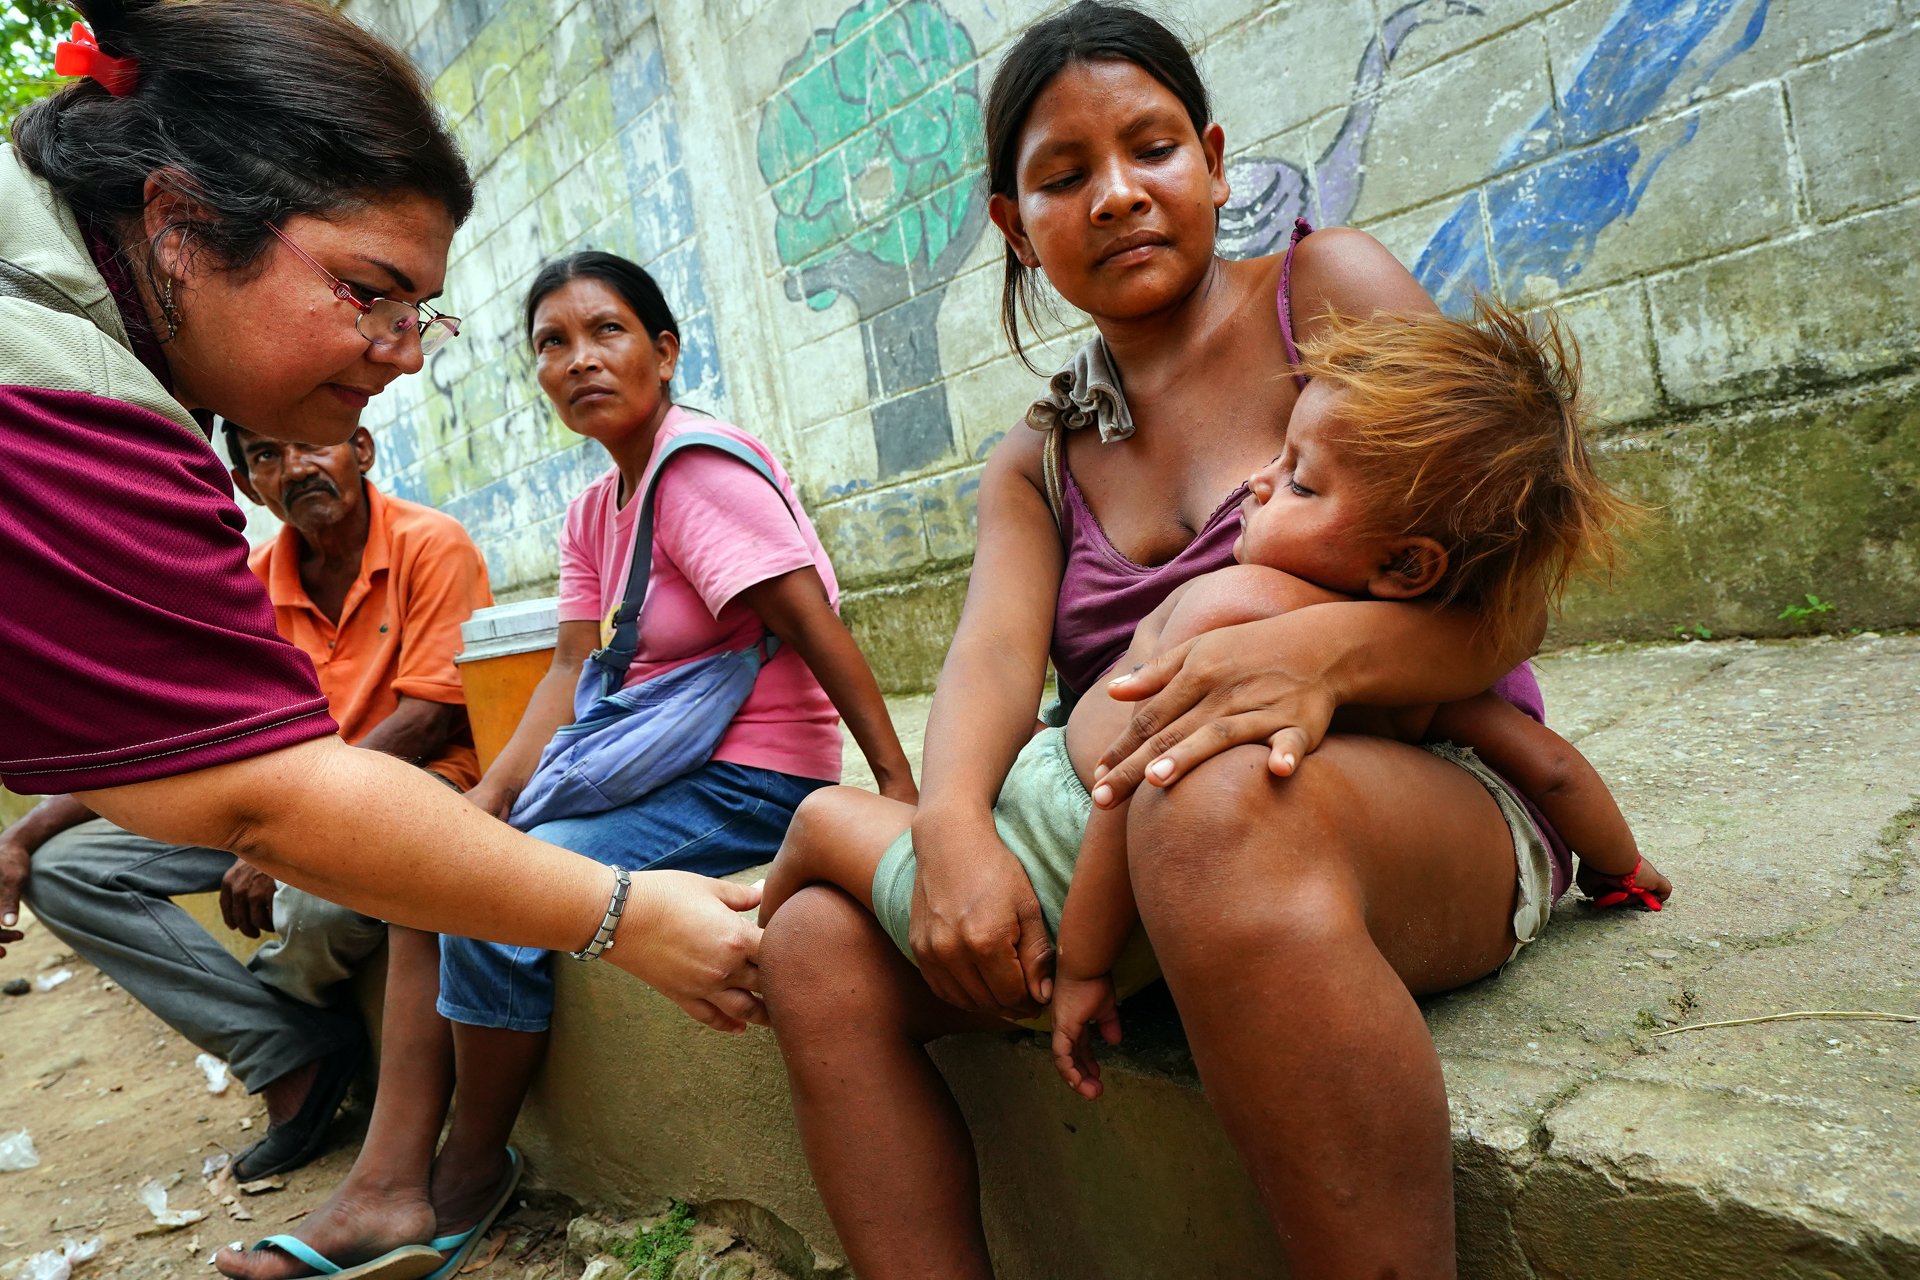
1719	195
571	124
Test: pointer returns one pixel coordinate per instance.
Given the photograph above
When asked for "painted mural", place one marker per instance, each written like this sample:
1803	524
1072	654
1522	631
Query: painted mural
574	133
1542	223
873	153
1576	168
1270	192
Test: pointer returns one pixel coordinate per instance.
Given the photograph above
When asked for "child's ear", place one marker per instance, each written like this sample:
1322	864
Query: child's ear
1413	566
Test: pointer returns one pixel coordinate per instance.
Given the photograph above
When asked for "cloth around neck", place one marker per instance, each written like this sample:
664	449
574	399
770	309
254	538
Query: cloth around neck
1085	393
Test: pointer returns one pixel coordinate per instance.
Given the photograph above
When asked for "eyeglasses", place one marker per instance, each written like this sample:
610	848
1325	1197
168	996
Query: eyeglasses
384	322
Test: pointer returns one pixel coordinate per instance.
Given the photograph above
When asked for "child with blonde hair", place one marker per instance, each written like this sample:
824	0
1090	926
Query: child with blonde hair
1427	459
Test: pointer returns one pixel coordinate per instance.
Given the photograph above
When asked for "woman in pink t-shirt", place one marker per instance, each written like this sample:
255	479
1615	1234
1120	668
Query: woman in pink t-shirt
732	559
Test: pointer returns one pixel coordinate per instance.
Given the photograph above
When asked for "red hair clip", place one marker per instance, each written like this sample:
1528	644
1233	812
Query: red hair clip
81	56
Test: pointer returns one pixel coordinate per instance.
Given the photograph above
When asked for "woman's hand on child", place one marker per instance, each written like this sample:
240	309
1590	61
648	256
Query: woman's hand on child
1079	1005
1643	887
976	928
682	935
1219	690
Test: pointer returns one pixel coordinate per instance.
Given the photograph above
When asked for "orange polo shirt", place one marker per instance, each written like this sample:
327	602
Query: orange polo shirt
420	578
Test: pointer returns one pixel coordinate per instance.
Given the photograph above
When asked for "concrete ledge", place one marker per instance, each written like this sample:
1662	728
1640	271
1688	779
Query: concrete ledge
1774	782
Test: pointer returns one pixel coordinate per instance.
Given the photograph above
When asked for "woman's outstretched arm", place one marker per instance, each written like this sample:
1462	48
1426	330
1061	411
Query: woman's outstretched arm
378	835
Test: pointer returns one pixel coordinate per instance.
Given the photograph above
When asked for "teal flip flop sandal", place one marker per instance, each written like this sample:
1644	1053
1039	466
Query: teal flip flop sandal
408	1262
463	1243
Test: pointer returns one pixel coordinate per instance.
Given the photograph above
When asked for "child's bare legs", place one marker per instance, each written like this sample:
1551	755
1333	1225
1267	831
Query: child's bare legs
884	1137
814	851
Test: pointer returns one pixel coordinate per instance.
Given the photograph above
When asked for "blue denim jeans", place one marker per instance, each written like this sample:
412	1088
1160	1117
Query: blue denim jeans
719	819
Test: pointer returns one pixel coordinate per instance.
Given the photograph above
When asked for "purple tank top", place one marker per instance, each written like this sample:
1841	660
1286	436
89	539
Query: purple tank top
1104	595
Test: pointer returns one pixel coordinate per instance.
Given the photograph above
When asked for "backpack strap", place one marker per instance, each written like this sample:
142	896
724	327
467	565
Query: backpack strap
618	653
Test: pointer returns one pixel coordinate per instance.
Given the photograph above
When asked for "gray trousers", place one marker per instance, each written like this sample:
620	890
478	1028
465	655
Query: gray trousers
107	894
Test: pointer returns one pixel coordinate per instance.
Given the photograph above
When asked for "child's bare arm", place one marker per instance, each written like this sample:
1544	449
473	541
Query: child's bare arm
1099	913
1094	924
1560	781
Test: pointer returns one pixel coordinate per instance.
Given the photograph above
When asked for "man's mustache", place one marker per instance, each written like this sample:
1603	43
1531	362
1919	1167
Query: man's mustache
293	493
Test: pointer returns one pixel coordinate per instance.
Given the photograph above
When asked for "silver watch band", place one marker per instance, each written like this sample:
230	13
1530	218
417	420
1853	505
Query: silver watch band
603	936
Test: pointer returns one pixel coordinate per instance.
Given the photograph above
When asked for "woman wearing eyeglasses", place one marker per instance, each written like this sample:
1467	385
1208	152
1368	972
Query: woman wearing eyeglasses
245	208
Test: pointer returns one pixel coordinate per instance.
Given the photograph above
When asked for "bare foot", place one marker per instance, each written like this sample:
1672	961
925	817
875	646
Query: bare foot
463	1191
352	1227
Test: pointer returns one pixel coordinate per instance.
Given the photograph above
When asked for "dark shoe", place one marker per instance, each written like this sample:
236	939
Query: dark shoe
288	1146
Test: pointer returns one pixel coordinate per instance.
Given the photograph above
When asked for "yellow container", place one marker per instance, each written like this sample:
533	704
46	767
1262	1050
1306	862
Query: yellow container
507	649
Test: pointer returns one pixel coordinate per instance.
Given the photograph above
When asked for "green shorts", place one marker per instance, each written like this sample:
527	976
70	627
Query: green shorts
1041	816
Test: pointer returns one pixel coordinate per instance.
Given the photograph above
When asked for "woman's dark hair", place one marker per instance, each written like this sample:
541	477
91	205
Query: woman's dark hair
628	279
1089	31
254	109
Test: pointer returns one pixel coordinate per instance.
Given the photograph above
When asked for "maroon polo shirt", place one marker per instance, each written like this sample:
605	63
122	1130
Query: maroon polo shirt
134	641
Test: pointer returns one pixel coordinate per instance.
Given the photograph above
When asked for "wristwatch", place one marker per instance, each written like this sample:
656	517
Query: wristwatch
603	936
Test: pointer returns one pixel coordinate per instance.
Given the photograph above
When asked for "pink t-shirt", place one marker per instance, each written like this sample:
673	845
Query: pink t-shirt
718	529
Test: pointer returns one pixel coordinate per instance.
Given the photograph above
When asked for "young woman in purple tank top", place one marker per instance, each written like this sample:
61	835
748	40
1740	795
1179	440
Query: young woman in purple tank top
1106	173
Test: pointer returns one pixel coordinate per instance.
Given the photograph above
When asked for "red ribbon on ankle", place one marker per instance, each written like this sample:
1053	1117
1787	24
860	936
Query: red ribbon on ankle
81	55
1628	892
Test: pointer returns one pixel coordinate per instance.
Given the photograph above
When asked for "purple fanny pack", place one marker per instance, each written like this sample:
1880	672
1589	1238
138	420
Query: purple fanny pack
624	743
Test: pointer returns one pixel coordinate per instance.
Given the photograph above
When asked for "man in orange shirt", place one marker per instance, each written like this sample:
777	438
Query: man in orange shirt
373	590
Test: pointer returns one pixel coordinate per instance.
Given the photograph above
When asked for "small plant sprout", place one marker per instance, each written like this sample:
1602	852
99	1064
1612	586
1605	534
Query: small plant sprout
1698	631
1808	612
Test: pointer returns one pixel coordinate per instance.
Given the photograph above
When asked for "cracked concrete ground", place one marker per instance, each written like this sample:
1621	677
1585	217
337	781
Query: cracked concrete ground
1778	784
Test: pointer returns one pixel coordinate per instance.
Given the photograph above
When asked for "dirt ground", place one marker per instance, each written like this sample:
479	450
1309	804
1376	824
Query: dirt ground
113	1099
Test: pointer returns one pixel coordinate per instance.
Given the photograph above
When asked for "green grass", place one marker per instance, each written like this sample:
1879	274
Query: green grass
659	1247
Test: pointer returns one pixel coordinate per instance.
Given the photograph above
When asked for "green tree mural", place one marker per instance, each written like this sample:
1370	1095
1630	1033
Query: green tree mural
873	152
